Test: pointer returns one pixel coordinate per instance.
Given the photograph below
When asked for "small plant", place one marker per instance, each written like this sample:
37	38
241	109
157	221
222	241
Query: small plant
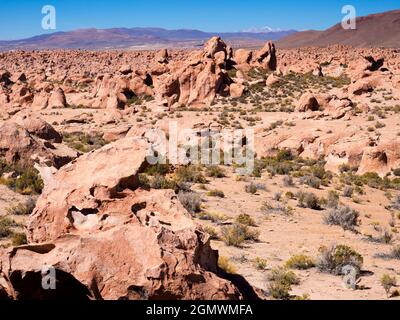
236	234
191	201
300	262
6	225
288	181
216	193
251	188
225	264
348	191
18	239
388	282
395	253
308	200
212	232
215	217
280	283
22	209
345	217
333	199
396	203
260	264
215	172
191	173
333	259
311	181
267	208
277	196
246	220
396	172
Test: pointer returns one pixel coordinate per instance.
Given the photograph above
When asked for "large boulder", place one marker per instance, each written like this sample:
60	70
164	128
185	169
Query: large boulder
57	99
108	238
266	57
307	102
19	146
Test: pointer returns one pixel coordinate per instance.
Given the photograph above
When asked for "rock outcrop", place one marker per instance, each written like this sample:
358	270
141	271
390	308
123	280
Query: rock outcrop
108	238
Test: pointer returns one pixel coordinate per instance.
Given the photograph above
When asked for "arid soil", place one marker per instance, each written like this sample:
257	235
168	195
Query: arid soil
77	192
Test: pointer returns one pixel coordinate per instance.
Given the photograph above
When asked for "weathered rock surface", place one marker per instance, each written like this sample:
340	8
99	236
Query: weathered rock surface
110	239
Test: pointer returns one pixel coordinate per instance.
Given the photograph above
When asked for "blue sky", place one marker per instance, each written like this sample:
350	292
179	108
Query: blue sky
22	18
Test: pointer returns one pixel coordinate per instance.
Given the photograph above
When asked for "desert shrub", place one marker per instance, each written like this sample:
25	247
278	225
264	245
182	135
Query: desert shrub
333	199
395	253
225	264
6	225
388	282
161	182
300	262
251	188
158	169
385	237
333	259
23	208
268	208
236	234
28	182
311	181
277	196
396	203
280	283
288	181
246	220
216	193
396	172
191	173
212	216
215	172
308	200
348	191
212	232
84	142
284	155
260	263
191	201
345	217
18	239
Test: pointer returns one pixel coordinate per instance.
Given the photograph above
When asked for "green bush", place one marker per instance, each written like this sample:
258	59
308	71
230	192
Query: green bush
280	283
388	282
191	173
345	217
6	225
308	200
246	220
18	239
236	234
333	259
300	262
215	172
216	193
191	201
22	209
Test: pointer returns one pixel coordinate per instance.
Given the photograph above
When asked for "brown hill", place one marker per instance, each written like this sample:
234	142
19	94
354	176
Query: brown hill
376	30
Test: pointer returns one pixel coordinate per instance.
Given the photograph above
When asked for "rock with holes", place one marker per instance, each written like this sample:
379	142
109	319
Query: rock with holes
109	238
18	145
307	102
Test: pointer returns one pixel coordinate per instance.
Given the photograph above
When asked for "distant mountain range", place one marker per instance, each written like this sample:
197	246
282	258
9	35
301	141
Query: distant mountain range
137	37
376	30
